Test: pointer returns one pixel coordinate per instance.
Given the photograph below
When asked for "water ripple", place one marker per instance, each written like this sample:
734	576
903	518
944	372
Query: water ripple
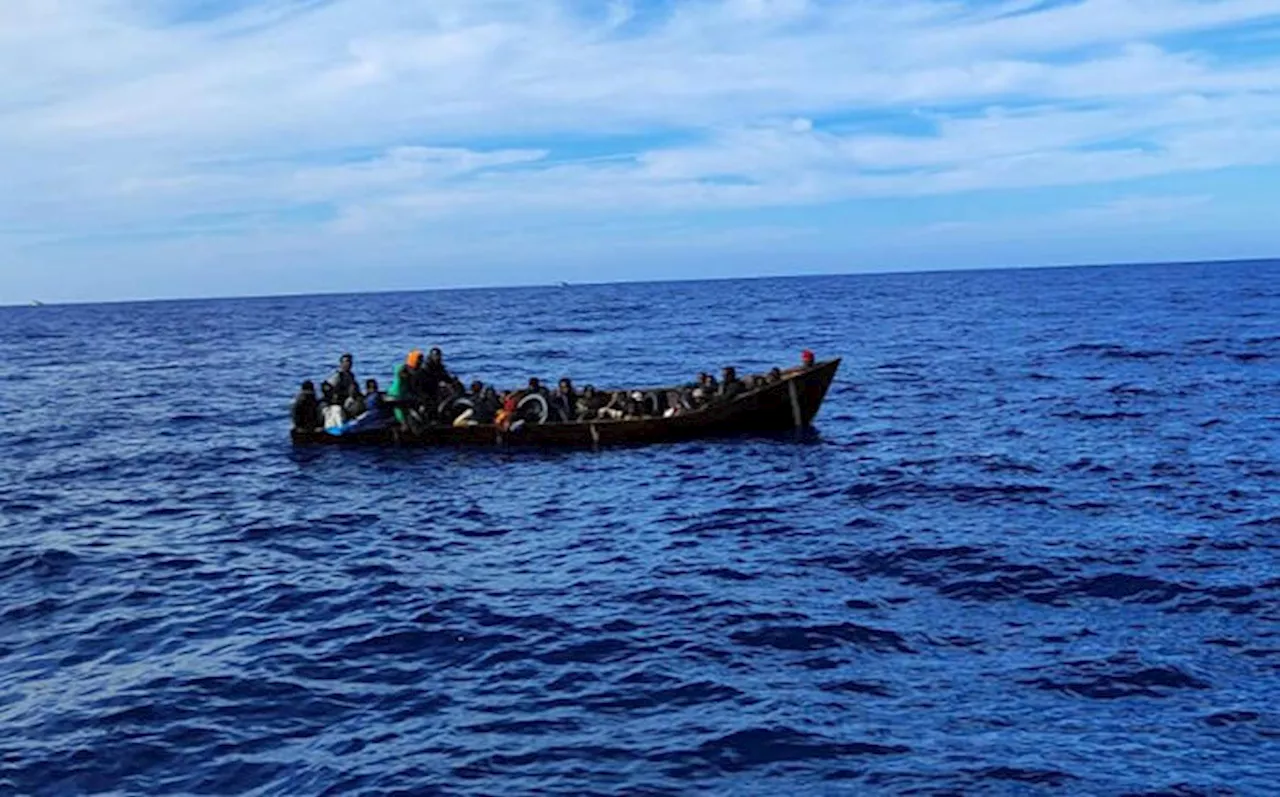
1031	549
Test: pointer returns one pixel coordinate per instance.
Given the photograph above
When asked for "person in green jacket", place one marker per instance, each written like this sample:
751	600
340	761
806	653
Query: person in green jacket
403	391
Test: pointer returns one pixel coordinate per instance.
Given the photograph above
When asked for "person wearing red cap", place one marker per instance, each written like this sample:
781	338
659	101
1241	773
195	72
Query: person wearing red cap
806	357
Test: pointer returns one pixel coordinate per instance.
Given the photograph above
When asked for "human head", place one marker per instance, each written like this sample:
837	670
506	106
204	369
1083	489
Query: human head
326	389
806	357
414	359
729	374
435	355
309	387
371	386
775	375
535	384
566	385
589	391
477	387
345	362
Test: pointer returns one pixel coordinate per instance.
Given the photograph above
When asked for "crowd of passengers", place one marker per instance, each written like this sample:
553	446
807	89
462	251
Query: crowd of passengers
424	393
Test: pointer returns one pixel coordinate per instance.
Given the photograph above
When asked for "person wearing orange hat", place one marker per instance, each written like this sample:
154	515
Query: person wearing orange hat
404	389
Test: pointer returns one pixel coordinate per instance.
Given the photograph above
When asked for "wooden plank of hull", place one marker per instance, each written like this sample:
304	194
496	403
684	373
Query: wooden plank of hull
773	408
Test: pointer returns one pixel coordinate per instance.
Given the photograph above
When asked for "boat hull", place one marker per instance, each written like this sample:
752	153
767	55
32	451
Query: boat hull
791	403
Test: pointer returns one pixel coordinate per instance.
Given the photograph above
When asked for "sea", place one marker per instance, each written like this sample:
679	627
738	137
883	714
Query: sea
1031	547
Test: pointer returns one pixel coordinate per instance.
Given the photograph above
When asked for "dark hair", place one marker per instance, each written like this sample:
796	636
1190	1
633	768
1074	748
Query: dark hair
346	356
309	385
370	384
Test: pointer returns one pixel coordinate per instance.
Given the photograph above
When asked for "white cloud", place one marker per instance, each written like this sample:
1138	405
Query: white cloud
114	117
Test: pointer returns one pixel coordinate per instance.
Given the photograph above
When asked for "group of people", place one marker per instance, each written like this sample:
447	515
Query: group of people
424	394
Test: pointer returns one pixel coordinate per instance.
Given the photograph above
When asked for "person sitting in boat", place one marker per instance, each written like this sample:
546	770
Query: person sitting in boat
343	381
373	398
306	408
353	403
616	407
564	404
730	385
487	405
507	418
535	386
636	407
375	413
775	376
588	405
676	403
330	407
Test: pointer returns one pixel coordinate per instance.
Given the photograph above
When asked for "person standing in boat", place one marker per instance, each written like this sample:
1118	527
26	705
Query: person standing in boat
343	381
435	375
406	390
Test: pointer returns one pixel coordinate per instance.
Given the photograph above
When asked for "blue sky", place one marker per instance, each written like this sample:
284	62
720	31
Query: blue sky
212	147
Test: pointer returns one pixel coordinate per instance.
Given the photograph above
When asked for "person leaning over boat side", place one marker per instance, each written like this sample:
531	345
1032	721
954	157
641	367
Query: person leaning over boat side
306	408
344	381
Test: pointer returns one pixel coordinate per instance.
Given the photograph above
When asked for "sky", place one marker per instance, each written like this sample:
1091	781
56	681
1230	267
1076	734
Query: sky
168	148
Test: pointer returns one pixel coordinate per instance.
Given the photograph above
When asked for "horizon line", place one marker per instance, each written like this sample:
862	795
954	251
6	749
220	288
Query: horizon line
35	302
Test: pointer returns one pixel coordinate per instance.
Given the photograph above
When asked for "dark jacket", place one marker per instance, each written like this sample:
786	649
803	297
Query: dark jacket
343	383
306	411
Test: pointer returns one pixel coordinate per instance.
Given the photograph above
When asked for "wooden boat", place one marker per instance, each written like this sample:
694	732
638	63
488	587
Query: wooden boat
790	403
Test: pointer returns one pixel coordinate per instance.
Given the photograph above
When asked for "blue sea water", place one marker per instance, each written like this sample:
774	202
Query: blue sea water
1033	548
